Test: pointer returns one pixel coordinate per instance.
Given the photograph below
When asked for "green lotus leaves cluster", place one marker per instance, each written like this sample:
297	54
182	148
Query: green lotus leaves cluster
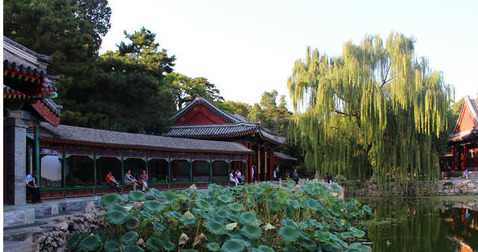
257	218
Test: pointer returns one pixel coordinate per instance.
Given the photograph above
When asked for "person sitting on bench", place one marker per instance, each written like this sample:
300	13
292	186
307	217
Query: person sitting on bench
129	180
111	181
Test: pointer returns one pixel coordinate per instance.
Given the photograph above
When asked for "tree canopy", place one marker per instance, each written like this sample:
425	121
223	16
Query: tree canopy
376	110
125	90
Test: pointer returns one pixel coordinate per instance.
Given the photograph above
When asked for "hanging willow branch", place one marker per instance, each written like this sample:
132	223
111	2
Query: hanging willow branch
375	111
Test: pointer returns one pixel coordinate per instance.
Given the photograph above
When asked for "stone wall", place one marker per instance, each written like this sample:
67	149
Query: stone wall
57	232
443	188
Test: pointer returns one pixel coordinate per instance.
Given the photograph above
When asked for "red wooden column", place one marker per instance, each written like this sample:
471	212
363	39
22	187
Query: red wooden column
249	164
453	158
464	157
271	163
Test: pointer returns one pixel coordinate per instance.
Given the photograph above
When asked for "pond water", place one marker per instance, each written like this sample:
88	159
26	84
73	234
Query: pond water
423	223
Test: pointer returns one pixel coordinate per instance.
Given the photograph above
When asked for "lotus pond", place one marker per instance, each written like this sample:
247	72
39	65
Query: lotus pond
424	224
252	218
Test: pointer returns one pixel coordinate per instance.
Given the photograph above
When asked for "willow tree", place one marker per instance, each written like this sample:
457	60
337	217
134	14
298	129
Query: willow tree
376	111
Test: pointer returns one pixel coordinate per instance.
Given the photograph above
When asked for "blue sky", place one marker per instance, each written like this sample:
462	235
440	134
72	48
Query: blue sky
247	47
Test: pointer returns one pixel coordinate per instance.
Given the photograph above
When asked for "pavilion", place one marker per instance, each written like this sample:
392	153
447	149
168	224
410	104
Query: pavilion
463	141
201	119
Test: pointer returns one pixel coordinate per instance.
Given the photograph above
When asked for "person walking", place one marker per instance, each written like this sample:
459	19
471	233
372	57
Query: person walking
33	188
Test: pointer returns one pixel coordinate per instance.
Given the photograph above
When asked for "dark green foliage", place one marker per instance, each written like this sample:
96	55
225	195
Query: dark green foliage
239	219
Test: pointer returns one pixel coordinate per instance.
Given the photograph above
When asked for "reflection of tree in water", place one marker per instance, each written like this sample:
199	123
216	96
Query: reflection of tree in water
462	226
408	225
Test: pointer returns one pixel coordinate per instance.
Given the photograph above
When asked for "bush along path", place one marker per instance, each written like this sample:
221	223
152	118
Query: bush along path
261	217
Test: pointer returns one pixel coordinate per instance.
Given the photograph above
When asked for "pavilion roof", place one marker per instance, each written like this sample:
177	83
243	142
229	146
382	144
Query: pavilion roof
236	126
89	136
284	156
470	107
25	78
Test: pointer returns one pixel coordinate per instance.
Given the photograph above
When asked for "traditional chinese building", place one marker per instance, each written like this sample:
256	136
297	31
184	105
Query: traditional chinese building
75	160
201	119
27	93
464	140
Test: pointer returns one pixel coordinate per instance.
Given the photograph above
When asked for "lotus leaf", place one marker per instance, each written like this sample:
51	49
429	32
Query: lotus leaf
146	215
315	205
204	205
158	227
91	243
275	206
293	203
117	217
307	243
233	245
290	223
252	232
215	227
247	217
137	196
256	222
232	217
225	198
322	236
107	200
132	248
130	237
131	224
291	249
367	210
111	246
358	247
236	207
153	207
231	226
264	248
335	187
358	233
169	246
152	244
212	246
74	239
289	234
188	250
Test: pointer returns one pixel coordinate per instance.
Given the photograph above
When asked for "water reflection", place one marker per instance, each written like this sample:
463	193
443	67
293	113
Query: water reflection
424	224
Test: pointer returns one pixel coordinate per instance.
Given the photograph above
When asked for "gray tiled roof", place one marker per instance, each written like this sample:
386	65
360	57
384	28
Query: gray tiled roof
95	136
212	130
53	106
284	156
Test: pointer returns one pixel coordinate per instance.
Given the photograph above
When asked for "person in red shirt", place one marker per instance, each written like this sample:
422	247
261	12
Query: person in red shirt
111	181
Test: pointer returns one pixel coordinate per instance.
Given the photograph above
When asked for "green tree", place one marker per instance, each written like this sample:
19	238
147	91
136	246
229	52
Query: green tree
375	110
125	90
271	115
185	89
68	30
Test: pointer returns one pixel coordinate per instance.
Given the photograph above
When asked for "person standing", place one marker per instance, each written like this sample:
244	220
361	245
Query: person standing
143	180
295	176
329	178
129	180
111	181
253	172
33	188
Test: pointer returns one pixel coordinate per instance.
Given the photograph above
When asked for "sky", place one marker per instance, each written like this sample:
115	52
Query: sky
247	47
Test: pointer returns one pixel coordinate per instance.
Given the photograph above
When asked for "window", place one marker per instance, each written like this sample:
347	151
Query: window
158	170
51	175
200	171
79	171
220	171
